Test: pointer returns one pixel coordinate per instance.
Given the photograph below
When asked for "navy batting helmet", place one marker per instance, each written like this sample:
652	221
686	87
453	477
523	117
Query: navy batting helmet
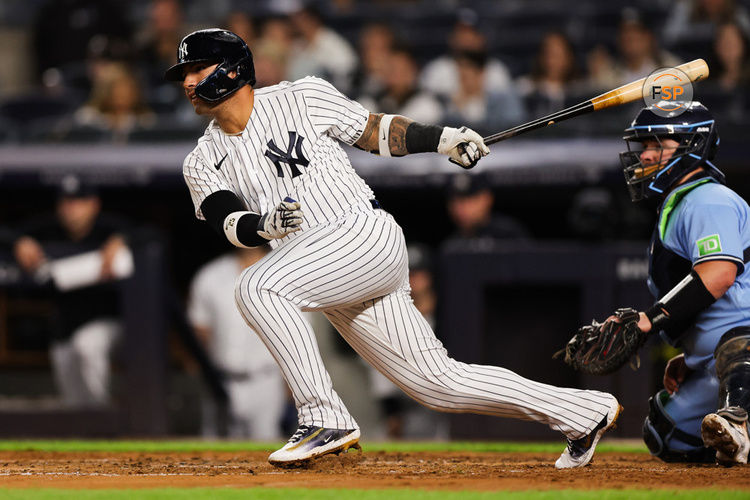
215	46
695	131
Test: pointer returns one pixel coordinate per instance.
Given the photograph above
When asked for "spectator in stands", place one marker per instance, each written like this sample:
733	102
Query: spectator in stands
730	61
65	29
441	75
376	40
270	64
694	22
256	389
278	32
552	77
116	105
88	325
320	51
470	204
639	54
401	95
727	89
271	51
473	105
155	45
240	23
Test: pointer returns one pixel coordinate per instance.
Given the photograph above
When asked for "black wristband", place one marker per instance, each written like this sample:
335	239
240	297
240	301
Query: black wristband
677	310
421	138
247	230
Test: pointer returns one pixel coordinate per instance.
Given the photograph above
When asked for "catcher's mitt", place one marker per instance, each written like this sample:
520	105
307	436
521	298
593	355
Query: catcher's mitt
602	348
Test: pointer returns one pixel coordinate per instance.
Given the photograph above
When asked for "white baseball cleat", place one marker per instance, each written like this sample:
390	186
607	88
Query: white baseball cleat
579	452
726	432
311	442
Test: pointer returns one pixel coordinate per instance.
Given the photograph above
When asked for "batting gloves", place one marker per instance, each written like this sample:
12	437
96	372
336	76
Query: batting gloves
464	146
283	219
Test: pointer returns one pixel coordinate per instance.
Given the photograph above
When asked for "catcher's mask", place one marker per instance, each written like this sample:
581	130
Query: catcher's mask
215	46
695	132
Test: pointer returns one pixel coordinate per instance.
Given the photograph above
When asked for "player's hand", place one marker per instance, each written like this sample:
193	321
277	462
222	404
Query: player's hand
464	146
675	373
283	219
108	252
29	254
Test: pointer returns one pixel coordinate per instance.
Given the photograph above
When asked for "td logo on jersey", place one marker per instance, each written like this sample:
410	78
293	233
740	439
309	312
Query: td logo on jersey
277	156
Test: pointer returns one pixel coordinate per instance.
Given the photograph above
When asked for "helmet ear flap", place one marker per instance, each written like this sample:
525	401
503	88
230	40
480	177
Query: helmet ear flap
713	148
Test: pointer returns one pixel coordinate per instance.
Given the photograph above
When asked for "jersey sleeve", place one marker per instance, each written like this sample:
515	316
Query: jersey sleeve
330	110
712	232
201	181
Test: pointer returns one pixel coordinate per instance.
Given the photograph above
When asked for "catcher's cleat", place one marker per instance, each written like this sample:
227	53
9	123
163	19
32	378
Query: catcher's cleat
311	442
726	432
580	451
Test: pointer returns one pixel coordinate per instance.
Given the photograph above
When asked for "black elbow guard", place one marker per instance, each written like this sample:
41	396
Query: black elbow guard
676	311
242	230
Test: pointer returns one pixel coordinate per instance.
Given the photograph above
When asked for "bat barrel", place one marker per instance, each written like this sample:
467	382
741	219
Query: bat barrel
695	70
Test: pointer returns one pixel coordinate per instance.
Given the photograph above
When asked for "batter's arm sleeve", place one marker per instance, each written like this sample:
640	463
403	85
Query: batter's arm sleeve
218	205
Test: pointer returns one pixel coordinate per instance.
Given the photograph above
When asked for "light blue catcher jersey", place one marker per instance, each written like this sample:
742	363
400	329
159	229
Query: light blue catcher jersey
702	221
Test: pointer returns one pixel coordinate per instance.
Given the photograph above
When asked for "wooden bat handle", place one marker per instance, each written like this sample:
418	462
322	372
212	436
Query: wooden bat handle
695	70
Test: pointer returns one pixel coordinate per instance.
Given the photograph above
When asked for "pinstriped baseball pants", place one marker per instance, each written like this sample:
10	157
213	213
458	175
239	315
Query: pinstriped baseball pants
355	270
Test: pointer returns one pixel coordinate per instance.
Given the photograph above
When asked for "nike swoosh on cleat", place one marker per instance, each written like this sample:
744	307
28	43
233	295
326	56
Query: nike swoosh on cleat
218	165
325	441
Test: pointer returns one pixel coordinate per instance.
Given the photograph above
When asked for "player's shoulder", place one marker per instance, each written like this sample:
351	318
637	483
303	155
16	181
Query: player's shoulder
711	194
307	84
203	150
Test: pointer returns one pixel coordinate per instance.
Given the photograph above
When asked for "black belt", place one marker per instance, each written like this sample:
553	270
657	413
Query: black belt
376	205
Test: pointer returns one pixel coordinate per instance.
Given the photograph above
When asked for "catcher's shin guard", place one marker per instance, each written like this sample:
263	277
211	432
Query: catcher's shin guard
732	356
659	430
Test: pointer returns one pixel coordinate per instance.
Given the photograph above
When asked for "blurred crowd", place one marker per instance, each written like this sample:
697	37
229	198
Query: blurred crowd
99	63
96	76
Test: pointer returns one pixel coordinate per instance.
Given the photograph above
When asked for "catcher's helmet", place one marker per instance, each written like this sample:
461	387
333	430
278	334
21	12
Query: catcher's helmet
695	131
215	46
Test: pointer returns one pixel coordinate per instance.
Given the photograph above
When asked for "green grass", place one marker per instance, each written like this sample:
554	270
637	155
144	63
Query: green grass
331	494
238	446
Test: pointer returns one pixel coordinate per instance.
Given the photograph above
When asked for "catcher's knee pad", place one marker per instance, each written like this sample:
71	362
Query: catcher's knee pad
659	430
732	356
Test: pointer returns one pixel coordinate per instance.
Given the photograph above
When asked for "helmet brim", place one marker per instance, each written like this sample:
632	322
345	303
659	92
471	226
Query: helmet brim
176	74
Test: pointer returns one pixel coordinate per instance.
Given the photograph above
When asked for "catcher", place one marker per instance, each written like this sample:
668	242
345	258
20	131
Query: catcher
697	272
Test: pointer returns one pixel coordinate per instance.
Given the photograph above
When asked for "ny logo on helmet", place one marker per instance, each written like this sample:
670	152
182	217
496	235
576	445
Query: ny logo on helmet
278	156
182	51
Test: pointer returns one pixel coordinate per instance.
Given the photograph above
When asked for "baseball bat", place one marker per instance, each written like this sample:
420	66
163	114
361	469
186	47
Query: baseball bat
695	70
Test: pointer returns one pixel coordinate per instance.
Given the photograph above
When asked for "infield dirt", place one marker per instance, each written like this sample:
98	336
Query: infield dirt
370	470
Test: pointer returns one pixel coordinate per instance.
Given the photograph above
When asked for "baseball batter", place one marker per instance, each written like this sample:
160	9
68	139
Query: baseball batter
270	168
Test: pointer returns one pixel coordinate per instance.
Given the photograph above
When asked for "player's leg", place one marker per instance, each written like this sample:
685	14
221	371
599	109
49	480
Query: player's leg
672	429
726	429
266	397
93	344
393	336
67	373
336	263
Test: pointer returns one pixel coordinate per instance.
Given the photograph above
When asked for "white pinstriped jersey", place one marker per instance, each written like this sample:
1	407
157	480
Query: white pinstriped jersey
289	147
350	262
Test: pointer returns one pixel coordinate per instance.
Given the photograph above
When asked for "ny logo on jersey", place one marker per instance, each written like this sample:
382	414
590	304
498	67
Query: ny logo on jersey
277	156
